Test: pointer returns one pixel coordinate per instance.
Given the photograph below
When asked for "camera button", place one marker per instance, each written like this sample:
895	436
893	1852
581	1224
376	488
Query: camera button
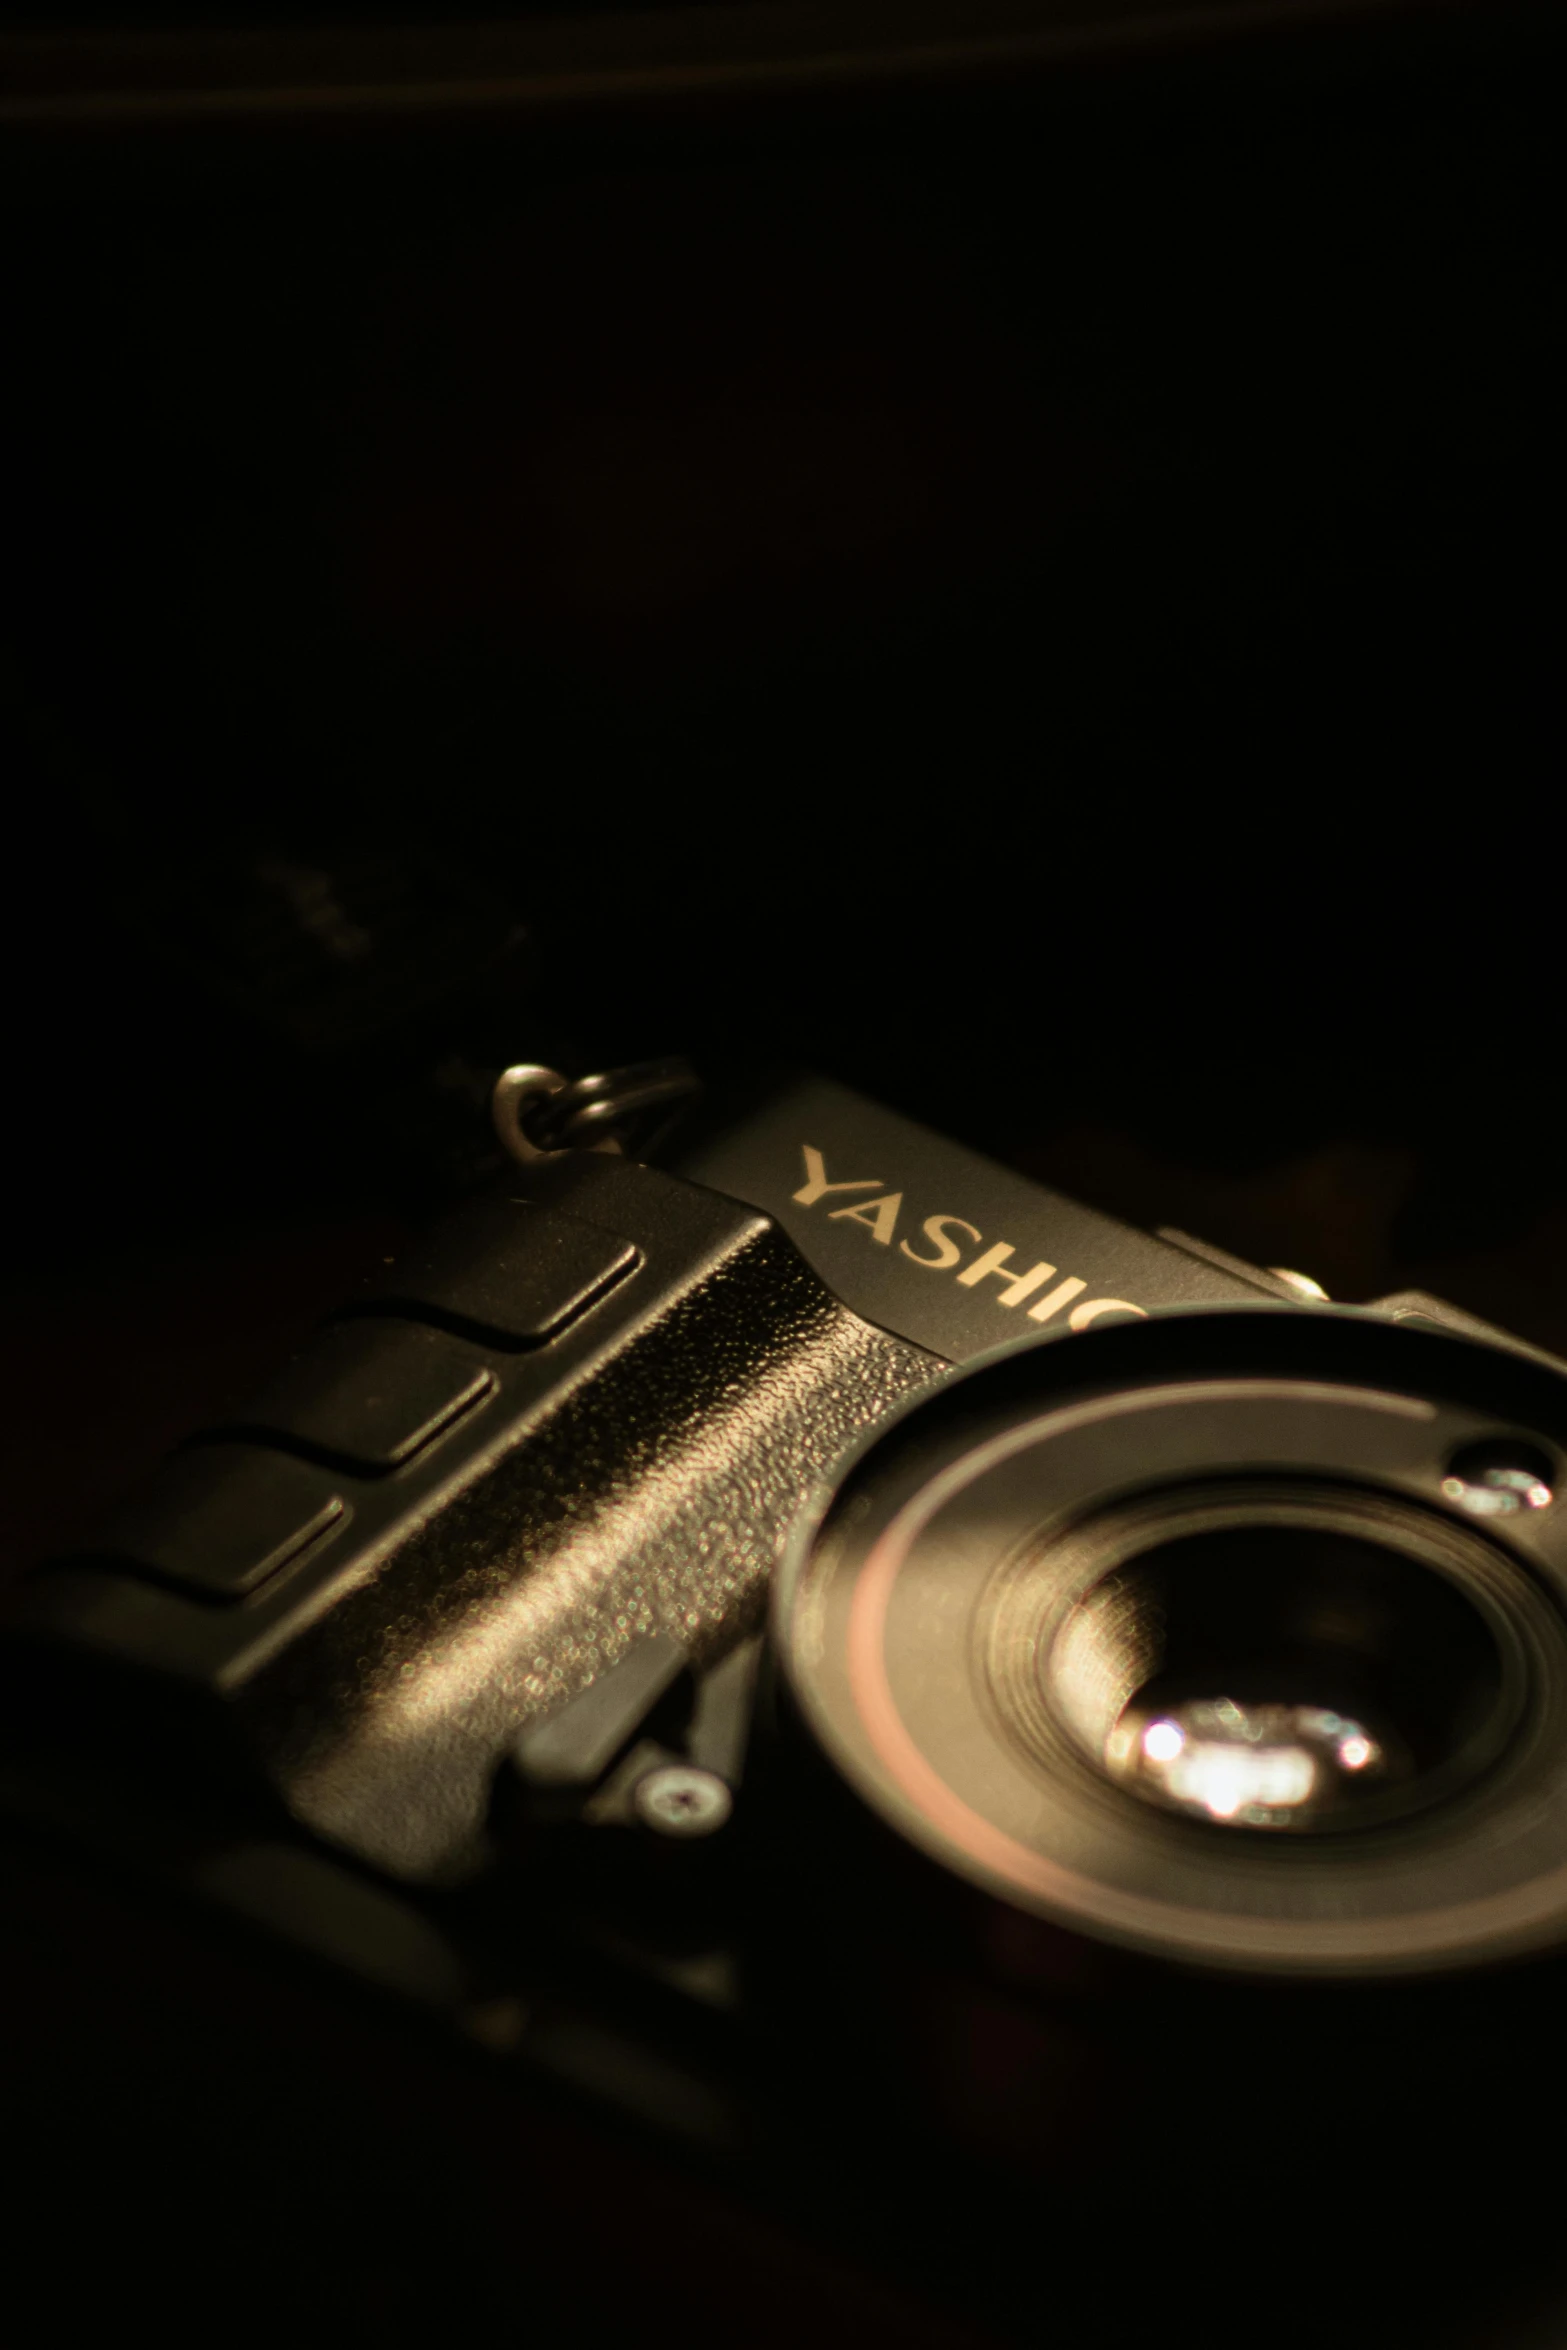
222	1518
369	1395
504	1272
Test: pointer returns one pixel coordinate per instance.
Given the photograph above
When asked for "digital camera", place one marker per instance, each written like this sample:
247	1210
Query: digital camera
1035	1750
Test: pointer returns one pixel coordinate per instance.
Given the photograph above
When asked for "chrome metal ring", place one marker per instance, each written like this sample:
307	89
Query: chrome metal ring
515	1088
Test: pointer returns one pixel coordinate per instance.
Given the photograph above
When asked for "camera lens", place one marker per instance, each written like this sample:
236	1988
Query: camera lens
1239	1637
1269	1669
1500	1478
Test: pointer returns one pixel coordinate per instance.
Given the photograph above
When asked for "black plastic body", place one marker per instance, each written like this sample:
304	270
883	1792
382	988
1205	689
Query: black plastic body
310	1770
549	1495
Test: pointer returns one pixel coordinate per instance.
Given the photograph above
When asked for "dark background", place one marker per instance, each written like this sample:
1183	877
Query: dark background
1033	587
1035	590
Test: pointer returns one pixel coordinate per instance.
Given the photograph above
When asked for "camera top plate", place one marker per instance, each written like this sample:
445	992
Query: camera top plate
936	1243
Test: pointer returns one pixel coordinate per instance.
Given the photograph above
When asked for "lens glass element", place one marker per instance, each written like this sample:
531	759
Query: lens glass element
1265	1765
1291	1675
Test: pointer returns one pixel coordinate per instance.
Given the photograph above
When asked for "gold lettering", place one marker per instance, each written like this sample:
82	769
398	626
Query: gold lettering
948	1251
881	1215
997	1260
1092	1307
1055	1299
816	1185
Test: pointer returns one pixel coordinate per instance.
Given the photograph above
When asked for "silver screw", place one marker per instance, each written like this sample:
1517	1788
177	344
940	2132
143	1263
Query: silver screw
679	1800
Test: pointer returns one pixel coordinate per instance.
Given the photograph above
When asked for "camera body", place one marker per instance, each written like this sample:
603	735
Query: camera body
586	1412
447	1662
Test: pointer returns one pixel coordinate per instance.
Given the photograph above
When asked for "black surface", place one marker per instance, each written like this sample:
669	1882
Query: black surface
369	1395
632	1476
576	1745
1029	599
982	2082
934	1241
503	1273
1033	607
223	1518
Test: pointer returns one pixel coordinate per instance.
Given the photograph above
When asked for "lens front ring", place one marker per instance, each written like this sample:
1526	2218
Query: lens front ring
889	1621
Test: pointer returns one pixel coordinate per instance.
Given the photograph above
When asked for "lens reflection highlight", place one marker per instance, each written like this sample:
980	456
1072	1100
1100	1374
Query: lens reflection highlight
1258	1765
1498	1492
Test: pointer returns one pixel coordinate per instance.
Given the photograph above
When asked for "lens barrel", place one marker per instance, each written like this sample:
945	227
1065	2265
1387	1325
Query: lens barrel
1236	1639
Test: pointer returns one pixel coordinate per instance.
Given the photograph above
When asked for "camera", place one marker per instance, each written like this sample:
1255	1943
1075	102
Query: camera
1036	1749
